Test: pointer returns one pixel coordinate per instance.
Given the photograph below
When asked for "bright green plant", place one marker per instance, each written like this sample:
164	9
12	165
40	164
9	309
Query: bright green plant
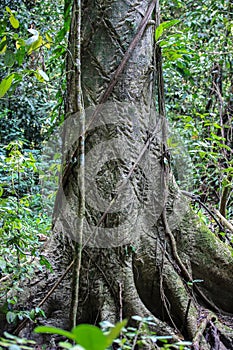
89	337
85	336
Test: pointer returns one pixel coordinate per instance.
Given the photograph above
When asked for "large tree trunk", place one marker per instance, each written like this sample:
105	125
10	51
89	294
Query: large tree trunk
139	258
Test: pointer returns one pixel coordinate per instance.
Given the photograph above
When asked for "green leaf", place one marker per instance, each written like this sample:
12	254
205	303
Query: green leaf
48	38
9	10
5	85
114	332
20	54
14	22
3	45
45	262
90	337
65	345
54	330
164	25
10	317
36	45
228	170
9	58
137	318
158	32
10	336
169	24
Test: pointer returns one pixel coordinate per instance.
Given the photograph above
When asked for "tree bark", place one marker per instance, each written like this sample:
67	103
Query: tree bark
130	262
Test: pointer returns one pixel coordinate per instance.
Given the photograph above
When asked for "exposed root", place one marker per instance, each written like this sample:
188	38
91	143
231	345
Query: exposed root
133	305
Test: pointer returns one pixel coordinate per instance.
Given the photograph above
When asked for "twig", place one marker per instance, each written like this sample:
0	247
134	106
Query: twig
136	336
225	196
120	302
5	278
182	267
224	221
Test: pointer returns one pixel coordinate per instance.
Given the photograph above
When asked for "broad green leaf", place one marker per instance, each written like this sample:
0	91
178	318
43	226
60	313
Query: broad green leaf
5	85
9	10
48	38
43	74
9	58
158	32
3	45
90	337
54	330
47	45
168	24
164	25
114	332
36	45
14	22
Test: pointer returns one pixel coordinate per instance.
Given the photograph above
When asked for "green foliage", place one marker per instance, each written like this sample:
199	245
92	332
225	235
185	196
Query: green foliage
14	49
32	56
32	53
89	337
163	26
21	217
197	69
13	316
12	342
6	84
